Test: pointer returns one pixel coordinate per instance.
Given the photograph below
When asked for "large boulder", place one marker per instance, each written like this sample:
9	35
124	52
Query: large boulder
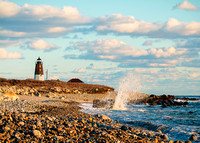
8	96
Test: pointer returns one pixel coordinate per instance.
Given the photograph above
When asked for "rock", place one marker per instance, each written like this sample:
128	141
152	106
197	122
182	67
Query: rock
37	133
124	128
38	94
7	128
165	137
171	141
10	96
188	142
193	138
21	123
104	117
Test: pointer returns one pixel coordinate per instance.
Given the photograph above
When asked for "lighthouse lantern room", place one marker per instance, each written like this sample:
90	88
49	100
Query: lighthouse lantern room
39	74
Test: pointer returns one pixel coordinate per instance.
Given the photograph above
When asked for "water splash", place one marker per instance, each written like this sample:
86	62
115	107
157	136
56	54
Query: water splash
128	87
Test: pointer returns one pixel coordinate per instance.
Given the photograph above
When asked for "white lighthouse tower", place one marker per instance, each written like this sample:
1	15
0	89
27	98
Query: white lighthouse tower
39	74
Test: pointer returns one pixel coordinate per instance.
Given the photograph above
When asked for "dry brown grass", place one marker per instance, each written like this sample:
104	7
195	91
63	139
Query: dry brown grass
92	88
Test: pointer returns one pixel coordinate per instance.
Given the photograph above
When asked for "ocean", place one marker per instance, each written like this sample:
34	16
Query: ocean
177	122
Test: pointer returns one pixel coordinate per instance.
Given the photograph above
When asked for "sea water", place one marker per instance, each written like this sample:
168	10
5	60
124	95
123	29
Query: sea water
178	122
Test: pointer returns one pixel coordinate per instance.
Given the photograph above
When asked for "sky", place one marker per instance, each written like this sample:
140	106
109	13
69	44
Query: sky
100	42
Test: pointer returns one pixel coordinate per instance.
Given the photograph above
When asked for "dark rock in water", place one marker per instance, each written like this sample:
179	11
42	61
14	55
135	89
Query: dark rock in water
193	138
103	103
164	100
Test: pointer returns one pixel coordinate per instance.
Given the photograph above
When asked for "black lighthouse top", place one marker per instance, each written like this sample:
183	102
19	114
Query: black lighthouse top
39	67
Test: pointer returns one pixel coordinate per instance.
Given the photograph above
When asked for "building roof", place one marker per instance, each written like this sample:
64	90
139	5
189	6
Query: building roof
76	80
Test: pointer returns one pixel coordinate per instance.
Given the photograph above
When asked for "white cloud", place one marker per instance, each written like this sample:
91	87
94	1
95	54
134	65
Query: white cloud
109	49
80	70
55	77
183	28
8	9
9	43
142	70
4	54
40	12
125	24
160	65
38	20
56	29
7	33
186	5
46	11
42	45
60	21
167	52
194	75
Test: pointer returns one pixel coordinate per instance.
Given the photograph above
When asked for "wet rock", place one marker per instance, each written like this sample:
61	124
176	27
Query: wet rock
164	137
193	138
188	142
124	128
104	117
38	94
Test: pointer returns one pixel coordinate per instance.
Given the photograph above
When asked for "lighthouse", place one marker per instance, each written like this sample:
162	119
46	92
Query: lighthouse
39	74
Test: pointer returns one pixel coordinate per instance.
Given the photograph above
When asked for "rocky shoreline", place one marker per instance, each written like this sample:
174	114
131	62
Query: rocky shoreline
40	117
64	122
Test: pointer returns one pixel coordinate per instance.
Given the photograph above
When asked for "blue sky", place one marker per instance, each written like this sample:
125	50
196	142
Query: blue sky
101	41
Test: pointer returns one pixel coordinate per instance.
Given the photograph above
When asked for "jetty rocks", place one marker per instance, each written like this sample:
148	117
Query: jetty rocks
163	100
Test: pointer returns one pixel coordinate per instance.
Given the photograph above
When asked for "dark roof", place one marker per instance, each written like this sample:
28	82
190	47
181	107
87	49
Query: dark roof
75	80
38	58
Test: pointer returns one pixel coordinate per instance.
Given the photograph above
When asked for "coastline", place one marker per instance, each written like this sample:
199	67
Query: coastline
44	119
44	114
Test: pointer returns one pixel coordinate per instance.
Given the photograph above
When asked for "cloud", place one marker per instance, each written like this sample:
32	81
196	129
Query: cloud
48	21
183	28
91	67
186	6
189	43
145	71
42	45
107	49
114	49
125	24
55	77
129	25
167	52
128	56
9	43
147	43
56	29
4	54
41	12
7	33
8	9
80	70
38	20
194	75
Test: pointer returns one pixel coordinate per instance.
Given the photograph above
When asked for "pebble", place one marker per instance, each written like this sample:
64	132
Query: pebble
37	133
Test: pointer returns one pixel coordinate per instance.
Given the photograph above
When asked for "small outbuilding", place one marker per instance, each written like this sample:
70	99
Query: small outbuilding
75	80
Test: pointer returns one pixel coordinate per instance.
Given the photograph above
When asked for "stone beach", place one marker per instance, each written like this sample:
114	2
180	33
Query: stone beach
34	116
